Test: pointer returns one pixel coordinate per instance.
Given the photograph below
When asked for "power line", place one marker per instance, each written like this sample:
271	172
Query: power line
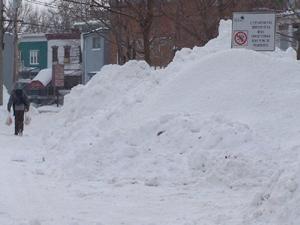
50	26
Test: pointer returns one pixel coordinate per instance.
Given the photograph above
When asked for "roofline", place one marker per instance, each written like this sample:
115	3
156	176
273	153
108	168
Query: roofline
95	31
37	81
63	36
28	35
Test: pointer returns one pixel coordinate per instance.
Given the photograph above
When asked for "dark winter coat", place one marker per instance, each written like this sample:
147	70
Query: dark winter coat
18	100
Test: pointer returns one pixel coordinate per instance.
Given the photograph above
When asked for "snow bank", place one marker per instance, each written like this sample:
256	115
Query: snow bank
120	102
113	88
122	124
5	95
216	117
5	100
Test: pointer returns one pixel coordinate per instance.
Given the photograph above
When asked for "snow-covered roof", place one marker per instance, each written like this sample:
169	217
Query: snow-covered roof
44	76
27	81
30	69
100	29
73	72
97	22
90	25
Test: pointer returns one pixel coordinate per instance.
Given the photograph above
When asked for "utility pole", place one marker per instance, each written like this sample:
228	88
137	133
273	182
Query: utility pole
16	52
1	51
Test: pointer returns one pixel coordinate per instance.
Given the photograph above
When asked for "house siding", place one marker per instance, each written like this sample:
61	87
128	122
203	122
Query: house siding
74	52
94	59
71	59
26	47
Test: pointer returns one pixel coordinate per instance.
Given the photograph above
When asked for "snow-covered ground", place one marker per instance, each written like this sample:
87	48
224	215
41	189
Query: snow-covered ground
213	139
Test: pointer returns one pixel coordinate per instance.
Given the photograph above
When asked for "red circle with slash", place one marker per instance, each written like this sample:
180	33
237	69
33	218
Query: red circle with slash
240	38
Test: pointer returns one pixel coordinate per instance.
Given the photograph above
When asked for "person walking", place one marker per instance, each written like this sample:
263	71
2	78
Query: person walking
20	103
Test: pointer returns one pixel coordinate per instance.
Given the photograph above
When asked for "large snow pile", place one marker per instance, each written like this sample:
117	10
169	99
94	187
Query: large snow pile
214	116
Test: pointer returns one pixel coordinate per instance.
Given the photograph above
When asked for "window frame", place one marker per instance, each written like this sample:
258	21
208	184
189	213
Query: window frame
54	54
98	47
34	57
67	54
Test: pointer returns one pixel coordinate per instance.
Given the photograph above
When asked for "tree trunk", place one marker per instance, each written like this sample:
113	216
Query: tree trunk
146	28
147	52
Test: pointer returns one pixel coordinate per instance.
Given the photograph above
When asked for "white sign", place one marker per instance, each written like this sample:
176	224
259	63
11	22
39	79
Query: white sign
254	31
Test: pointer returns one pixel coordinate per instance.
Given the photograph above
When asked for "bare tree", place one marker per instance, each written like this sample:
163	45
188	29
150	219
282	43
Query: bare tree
197	20
69	11
131	24
139	27
29	18
293	20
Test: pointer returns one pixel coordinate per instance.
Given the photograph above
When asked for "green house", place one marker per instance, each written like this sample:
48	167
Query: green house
33	51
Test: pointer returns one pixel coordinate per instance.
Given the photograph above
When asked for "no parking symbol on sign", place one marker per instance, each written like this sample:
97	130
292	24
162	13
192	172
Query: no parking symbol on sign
240	38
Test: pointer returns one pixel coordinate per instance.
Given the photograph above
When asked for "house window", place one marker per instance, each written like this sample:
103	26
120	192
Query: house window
21	60
34	57
55	54
96	42
67	54
80	54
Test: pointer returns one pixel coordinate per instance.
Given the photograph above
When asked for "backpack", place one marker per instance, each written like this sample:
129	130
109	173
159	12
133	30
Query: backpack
19	97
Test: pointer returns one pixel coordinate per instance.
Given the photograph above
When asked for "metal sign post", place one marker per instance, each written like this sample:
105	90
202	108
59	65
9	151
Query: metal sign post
254	31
